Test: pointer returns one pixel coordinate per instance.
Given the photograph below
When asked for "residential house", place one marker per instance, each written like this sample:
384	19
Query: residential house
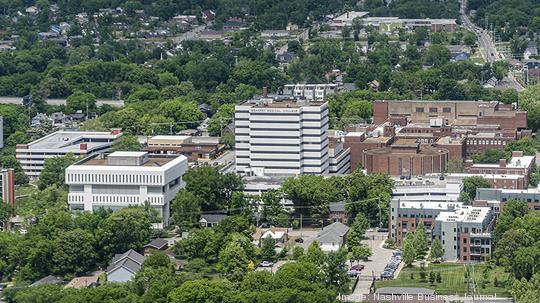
209	220
84	281
337	212
280	235
208	16
156	245
234	24
332	237
531	51
32	10
374	85
285	58
461	56
48	280
124	266
491	82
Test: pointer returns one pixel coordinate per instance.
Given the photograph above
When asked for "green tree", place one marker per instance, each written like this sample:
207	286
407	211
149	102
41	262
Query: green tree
420	241
53	172
409	251
233	261
199	291
314	254
298	252
126	142
186	209
86	102
436	252
357	230
334	270
470	184
127	228
74	252
361	252
268	249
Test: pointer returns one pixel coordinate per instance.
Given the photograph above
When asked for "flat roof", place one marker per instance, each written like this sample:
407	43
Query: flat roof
169	138
441	205
465	214
515	162
68	141
127	154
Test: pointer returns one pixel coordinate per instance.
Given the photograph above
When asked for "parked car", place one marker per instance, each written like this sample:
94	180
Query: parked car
299	240
267	264
354	273
358	267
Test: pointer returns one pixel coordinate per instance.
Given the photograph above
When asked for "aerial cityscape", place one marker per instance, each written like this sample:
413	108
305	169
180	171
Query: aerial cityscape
285	151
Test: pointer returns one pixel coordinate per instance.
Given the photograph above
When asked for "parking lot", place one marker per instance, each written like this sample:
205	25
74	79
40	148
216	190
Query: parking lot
376	263
307	235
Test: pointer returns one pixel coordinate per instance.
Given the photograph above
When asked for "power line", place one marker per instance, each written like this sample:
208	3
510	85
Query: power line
295	207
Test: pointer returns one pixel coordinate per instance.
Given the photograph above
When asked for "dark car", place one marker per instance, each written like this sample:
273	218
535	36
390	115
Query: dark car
358	267
299	240
408	177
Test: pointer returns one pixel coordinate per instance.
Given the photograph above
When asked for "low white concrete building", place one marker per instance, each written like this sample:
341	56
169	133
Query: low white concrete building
32	156
125	178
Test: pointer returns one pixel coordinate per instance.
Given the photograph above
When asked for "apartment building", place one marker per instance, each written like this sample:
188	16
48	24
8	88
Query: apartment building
121	179
316	92
464	231
281	136
420	190
492	195
7	183
405	215
32	156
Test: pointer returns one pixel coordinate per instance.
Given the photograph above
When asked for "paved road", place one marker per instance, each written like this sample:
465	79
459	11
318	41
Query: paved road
487	44
18	100
375	265
189	35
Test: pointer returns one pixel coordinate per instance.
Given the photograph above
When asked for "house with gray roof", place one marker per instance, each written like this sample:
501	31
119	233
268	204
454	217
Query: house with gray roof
209	220
156	244
332	237
124	266
48	280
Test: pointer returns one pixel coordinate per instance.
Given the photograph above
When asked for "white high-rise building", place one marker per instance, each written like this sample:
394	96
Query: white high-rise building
125	178
281	137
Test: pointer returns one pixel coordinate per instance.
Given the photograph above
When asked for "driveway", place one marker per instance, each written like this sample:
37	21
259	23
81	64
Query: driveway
375	265
274	268
309	235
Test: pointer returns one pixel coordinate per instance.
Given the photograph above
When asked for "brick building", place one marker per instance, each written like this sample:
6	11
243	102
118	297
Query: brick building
464	231
195	148
406	157
452	112
518	165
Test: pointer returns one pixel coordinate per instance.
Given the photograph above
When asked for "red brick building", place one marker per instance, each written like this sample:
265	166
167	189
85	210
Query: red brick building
518	165
452	112
406	157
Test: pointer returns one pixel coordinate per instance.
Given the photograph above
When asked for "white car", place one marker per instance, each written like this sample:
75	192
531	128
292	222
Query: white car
267	264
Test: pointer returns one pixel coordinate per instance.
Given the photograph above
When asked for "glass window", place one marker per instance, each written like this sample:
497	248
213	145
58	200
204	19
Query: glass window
419	109
432	109
447	110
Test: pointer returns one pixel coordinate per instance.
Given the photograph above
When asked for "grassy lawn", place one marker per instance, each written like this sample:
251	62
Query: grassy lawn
453	279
